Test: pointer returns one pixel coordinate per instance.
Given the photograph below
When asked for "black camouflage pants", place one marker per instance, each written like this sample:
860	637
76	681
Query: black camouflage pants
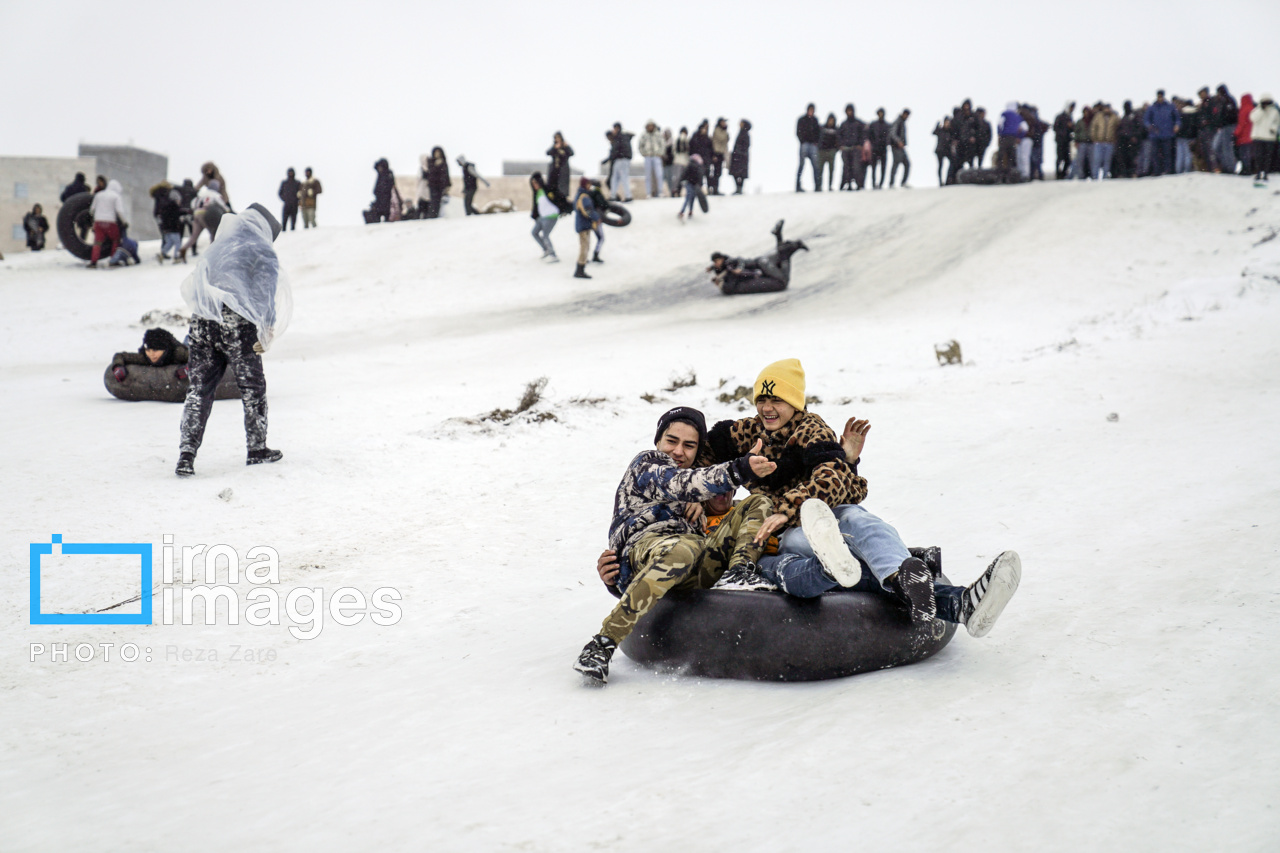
689	561
213	348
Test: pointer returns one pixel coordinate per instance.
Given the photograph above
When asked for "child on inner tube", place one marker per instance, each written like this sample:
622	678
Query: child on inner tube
159	348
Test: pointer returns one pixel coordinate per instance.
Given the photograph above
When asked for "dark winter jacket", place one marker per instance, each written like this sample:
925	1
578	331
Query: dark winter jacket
74	188
289	188
168	211
983	132
620	147
652	495
852	132
174	353
878	132
700	143
828	138
1190	127
695	172
36	226
586	213
1062	127
559	162
943	133
437	176
383	187
1162	119
807	129
741	157
811	462
1223	111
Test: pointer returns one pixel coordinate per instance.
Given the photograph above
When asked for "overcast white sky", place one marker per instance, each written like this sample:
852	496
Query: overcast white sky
258	87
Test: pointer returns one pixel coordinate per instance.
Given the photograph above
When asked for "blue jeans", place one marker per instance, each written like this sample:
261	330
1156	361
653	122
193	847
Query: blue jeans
1224	149
620	186
808	151
690	198
653	176
1080	165
1102	153
1182	156
872	540
172	242
542	232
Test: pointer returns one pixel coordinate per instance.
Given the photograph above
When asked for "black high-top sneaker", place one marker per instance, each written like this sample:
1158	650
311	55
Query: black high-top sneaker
186	465
266	454
593	663
984	599
914	583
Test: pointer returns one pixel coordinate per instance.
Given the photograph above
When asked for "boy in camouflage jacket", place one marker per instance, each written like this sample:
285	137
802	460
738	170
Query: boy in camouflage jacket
660	548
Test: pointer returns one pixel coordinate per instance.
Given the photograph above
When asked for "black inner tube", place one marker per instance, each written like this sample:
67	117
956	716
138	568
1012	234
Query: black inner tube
616	214
74	219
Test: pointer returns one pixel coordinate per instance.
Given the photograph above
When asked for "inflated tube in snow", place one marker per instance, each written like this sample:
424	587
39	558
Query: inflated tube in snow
988	177
772	636
75	212
148	382
616	214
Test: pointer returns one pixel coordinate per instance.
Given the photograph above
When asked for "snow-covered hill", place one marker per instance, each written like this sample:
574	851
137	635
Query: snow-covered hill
1127	699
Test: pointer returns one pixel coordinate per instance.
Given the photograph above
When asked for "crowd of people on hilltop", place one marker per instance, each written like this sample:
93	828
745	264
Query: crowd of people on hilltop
861	146
676	159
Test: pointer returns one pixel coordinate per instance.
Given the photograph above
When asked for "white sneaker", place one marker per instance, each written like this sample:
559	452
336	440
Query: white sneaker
985	598
823	532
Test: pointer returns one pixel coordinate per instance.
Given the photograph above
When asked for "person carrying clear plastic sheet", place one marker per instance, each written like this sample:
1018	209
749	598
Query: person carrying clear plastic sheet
767	274
240	303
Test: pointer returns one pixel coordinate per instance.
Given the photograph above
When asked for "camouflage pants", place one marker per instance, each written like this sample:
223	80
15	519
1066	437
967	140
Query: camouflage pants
685	561
214	347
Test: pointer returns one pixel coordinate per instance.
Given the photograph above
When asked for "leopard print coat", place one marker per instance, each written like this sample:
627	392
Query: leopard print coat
811	462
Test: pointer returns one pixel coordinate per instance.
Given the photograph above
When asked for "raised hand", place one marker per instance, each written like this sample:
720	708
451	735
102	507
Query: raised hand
854	437
607	567
760	466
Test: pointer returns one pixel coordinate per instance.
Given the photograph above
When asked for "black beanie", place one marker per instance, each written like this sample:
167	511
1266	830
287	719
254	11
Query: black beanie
683	414
271	220
157	339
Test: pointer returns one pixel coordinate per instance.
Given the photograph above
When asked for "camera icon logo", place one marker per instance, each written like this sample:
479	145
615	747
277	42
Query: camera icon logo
143	552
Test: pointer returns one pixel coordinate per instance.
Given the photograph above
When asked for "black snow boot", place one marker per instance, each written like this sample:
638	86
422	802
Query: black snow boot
914	584
593	663
581	272
595	259
186	465
777	230
266	454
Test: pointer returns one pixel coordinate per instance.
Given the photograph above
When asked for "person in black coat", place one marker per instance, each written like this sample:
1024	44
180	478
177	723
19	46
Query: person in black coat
878	133
438	181
853	132
74	188
558	171
740	159
808	132
984	135
943	149
35	224
384	187
700	144
289	189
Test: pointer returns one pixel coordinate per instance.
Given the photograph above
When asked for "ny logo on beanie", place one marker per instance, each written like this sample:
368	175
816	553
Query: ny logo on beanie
766	388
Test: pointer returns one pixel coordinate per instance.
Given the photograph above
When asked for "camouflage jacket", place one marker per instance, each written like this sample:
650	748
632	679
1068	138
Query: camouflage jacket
811	462
653	494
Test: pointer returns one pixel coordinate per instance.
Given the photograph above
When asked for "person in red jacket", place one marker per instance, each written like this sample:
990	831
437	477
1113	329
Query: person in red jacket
1244	134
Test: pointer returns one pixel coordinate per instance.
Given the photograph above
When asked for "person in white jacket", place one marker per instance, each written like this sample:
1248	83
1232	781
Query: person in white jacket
108	214
652	147
1266	131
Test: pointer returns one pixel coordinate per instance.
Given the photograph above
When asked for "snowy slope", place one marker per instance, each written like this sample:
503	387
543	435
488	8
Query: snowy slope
1127	698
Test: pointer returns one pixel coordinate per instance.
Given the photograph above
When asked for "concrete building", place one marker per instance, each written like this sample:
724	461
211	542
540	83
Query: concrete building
25	181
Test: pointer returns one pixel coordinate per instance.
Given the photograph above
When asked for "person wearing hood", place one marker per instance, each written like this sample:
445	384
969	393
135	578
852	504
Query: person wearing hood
620	162
853	132
159	349
984	135
470	179
108	214
828	146
651	149
206	212
433	182
680	160
740	160
240	304
700	144
1225	113
384	193
878	133
767	274
36	225
1008	134
808	132
898	143
558	173
944	148
74	188
167	212
210	172
1103	130
693	174
1244	134
1265	131
719	151
290	187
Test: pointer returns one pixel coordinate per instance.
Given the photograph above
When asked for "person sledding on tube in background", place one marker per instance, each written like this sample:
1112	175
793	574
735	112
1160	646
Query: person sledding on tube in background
159	348
240	303
767	274
660	546
838	543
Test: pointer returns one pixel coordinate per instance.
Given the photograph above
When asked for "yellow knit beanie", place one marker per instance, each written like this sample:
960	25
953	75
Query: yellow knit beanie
784	380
